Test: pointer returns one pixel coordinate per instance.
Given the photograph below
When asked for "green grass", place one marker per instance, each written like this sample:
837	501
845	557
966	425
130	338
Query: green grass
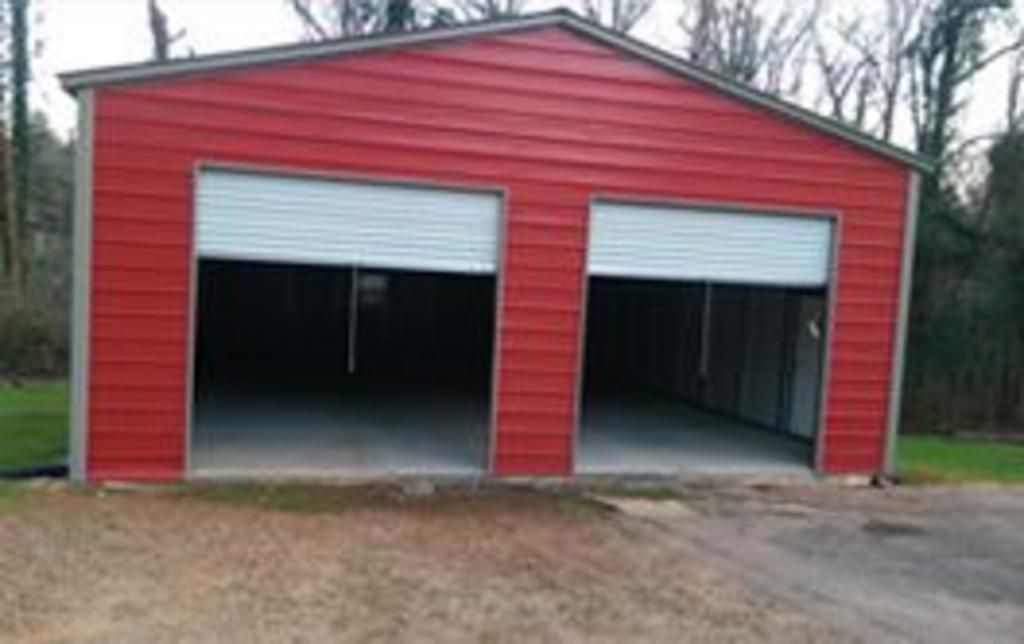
316	498
33	423
649	491
11	497
303	498
943	459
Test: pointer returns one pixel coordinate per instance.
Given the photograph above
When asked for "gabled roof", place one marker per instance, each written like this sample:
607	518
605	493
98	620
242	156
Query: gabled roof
76	80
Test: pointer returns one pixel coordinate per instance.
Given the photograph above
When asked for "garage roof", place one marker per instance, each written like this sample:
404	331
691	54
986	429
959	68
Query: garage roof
76	80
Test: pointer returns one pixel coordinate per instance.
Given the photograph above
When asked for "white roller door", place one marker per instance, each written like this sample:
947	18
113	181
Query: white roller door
664	242
275	218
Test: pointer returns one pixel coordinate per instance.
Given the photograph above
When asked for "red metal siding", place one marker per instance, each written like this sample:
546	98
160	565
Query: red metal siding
551	116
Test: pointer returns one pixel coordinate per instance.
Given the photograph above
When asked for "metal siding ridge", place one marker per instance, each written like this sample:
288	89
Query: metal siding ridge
275	108
473	149
76	81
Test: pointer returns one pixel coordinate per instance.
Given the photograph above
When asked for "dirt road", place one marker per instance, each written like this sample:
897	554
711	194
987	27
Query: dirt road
502	565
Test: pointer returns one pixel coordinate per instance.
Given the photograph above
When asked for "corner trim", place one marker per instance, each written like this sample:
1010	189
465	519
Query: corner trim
187	465
500	281
902	321
81	289
824	387
582	320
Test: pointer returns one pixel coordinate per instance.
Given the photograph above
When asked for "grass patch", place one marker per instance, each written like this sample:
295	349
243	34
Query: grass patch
11	497
318	498
33	423
943	459
581	506
653	492
288	497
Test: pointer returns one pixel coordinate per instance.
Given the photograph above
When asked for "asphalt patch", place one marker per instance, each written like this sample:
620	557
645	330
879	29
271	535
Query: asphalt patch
892	529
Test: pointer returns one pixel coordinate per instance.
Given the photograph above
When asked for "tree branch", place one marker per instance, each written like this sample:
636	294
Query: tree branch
981	64
304	12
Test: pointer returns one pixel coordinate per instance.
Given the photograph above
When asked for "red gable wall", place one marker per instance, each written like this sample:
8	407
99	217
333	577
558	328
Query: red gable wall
547	114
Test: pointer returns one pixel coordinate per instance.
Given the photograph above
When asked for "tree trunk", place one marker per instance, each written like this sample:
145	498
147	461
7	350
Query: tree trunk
5	209
19	155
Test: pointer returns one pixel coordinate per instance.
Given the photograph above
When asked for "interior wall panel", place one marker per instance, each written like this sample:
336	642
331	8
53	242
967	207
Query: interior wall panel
808	367
764	360
726	348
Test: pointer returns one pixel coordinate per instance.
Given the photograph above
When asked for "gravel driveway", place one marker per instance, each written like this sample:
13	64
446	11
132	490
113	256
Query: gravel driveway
510	565
905	564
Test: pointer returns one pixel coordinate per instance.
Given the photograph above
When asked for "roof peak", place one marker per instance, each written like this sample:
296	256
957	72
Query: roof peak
563	17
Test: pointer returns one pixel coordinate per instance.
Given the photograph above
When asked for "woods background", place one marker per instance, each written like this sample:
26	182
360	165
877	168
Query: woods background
903	70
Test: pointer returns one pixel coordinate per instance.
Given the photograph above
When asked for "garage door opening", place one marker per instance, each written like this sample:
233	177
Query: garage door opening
342	327
705	340
334	370
685	377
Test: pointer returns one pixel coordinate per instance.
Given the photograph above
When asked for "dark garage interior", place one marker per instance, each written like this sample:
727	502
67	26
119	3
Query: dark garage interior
687	377
314	370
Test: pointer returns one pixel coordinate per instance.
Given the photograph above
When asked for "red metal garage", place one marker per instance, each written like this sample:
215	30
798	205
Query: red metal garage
591	173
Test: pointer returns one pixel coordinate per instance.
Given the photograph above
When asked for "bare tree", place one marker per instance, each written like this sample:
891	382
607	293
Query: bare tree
160	31
847	82
345	18
617	15
1015	95
469	10
748	41
949	51
864	64
338	18
7	247
892	68
17	176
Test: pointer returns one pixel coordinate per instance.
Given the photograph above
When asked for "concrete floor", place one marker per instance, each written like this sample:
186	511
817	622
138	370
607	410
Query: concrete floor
658	436
349	430
359	429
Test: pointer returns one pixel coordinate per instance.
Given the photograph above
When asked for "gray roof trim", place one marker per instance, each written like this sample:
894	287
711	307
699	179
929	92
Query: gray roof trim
76	80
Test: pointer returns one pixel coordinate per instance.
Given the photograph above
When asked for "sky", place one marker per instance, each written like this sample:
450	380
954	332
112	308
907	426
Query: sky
79	34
